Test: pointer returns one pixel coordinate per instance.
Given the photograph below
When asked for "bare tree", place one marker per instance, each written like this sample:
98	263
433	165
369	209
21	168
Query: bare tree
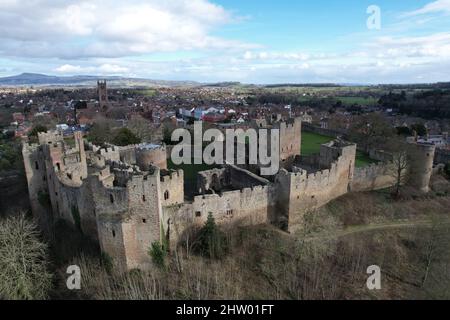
23	261
140	127
401	158
400	170
371	131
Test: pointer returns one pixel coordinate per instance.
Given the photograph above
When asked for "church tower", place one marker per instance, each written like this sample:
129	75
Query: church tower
102	94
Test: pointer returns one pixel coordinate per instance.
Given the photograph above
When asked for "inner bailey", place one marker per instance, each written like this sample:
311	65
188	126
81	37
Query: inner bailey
126	207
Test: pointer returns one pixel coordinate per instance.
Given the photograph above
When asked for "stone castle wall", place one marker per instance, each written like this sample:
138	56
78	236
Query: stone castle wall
290	141
172	188
373	177
156	157
299	192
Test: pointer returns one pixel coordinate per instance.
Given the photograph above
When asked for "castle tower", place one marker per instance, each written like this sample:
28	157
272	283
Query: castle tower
290	141
421	165
102	94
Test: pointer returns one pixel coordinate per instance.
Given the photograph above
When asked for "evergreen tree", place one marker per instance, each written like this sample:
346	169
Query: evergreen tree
211	241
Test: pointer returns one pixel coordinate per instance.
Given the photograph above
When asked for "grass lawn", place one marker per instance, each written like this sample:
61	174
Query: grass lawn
311	143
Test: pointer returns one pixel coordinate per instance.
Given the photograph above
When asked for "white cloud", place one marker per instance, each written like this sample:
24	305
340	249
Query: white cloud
68	68
438	6
110	28
104	69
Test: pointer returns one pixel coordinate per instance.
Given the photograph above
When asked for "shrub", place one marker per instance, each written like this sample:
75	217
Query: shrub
211	241
158	253
37	129
107	262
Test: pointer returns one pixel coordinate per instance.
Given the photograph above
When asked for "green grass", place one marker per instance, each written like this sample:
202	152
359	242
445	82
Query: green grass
311	143
363	159
146	92
358	100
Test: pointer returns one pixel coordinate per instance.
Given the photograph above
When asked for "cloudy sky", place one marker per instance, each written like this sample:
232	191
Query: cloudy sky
252	41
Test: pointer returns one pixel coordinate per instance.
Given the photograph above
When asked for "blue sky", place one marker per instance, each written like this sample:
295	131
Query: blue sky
229	40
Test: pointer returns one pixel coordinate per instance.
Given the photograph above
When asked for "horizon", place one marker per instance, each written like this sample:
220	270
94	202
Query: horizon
107	77
211	41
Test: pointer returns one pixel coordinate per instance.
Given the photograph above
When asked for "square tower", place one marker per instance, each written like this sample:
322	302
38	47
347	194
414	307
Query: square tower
102	94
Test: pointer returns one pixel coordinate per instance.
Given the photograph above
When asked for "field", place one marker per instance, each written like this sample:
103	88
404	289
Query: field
146	92
311	143
358	100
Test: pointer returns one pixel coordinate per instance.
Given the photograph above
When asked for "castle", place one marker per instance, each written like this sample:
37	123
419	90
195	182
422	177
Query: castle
126	199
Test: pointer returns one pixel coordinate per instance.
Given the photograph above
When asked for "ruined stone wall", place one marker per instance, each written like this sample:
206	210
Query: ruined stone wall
373	177
128	154
128	219
215	179
145	159
70	197
50	137
249	206
229	177
172	188
290	139
380	155
36	175
110	154
298	192
240	178
322	131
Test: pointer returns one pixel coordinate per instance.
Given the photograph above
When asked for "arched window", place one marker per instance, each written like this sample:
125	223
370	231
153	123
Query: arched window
166	195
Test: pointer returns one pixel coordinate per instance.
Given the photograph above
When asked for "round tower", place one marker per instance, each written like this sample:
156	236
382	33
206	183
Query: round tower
421	165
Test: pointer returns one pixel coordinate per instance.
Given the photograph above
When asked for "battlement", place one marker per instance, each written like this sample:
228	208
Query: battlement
290	124
173	175
372	170
50	137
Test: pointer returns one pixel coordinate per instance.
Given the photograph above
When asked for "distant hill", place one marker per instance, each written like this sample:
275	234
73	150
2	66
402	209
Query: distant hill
34	79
